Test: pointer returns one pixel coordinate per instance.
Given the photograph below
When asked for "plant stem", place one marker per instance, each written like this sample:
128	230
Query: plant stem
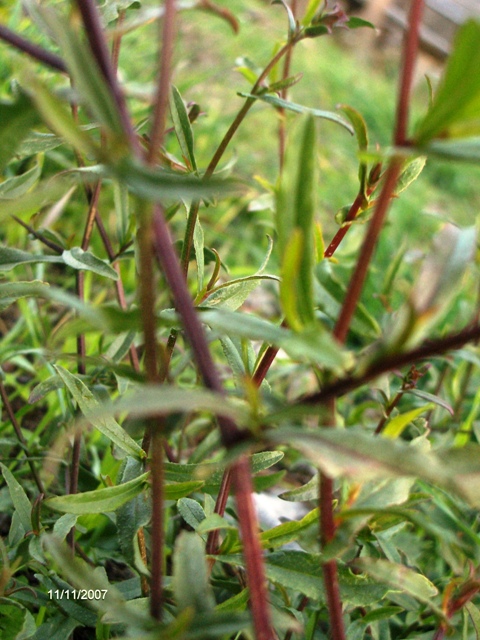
163	83
256	580
229	432
357	280
246	108
93	28
39	236
31	49
429	349
409	58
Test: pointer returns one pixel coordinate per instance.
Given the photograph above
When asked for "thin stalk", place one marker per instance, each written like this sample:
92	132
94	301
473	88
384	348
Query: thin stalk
155	432
94	31
252	551
222	147
409	57
246	107
428	350
39	236
163	83
229	432
31	49
361	268
20	437
327	522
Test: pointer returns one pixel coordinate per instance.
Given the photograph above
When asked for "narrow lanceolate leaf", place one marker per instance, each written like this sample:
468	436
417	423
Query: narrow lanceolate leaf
361	456
275	101
295	226
12	291
474	614
183	128
396	426
86	261
303	572
154	183
10	258
292	24
89	407
18	185
189	560
85	73
400	578
19	498
360	129
100	500
455	107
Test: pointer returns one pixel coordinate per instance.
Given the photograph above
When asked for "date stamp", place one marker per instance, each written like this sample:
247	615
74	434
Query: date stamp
77	594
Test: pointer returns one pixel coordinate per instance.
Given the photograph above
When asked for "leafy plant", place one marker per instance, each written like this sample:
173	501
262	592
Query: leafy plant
142	384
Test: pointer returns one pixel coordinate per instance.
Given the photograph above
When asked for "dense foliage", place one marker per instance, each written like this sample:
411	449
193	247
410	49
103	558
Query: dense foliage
190	330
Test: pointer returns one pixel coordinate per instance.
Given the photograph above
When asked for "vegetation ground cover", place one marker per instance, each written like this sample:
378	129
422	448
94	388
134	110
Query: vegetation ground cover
187	319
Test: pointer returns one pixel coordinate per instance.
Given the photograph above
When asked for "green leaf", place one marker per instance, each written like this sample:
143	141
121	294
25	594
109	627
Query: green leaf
289	292
10	292
10	258
156	183
100	500
313	344
179	490
16	120
212	473
191	511
91	88
474	614
298	192
111	8
286	532
303	572
305	493
183	128
400	578
189	560
311	10
81	576
17	186
46	192
213	522
396	426
133	514
86	261
149	400
466	149
63	525
19	498
232	294
412	168
455	108
292	23
356	23
89	407
360	129
275	101
16	622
